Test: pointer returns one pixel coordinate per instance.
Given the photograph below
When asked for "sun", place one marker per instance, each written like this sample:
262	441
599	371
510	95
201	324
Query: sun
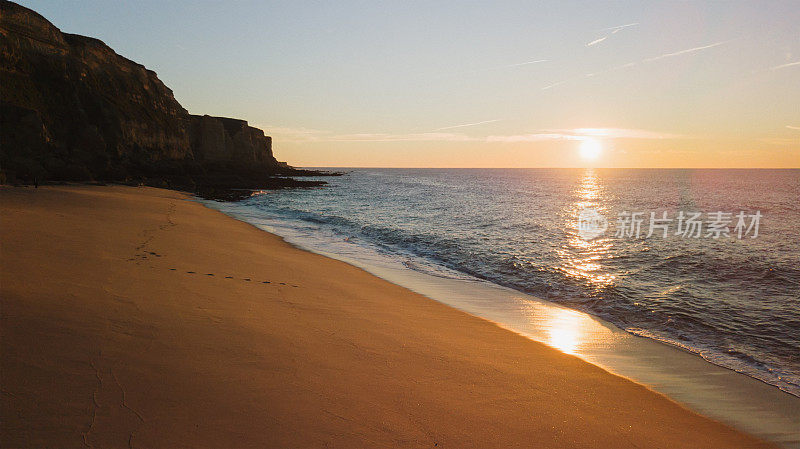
590	149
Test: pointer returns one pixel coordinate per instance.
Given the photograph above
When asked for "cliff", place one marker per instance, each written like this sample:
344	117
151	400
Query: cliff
73	109
221	138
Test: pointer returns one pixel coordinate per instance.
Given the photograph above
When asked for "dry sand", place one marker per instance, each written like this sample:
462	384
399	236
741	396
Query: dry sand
132	317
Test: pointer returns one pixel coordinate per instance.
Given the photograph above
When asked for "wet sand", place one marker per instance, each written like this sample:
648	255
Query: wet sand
134	318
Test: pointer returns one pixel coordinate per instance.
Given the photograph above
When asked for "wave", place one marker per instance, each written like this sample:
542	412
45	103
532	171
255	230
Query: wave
732	307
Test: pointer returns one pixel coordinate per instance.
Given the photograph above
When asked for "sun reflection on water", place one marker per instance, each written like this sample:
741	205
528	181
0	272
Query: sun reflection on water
564	331
567	330
583	258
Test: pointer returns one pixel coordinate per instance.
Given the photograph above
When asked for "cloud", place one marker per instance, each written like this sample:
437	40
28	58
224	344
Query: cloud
537	61
550	86
618	28
286	134
583	134
597	41
298	135
466	125
289	134
386	137
780	141
688	50
534	137
499	67
796	128
655	58
614	30
623	133
783	66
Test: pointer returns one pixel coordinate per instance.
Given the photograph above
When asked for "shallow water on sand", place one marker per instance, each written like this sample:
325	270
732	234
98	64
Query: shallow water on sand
514	233
734	301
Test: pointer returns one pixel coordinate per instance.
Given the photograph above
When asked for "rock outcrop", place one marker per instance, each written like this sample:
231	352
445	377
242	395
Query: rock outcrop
221	138
73	109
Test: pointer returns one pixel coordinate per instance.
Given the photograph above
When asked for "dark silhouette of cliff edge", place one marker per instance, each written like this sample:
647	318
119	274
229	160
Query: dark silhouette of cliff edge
71	109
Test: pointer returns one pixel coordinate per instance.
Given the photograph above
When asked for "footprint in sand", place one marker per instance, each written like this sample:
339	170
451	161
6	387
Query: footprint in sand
231	277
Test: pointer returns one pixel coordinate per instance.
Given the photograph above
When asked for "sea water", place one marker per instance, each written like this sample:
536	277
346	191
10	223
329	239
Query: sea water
724	286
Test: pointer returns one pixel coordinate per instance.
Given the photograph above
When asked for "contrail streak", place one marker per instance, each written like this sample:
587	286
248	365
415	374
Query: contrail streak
520	63
597	41
620	27
614	30
683	52
783	66
466	125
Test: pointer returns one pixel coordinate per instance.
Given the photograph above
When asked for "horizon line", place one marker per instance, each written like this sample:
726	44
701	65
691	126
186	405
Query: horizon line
549	168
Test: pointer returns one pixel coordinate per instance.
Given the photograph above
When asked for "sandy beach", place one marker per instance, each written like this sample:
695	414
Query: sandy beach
134	317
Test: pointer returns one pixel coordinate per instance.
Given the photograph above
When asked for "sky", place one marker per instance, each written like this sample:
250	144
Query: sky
477	84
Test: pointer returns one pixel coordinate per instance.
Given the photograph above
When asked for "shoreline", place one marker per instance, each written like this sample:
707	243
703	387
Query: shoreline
684	376
121	325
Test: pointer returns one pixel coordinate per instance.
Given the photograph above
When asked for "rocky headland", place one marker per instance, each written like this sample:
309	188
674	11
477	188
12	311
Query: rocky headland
72	109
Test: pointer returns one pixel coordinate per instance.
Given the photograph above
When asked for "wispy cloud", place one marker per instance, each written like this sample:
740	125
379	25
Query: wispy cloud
617	28
533	137
597	41
622	133
613	30
583	134
466	125
688	50
305	135
780	141
783	66
796	128
290	134
537	61
493	68
414	137
556	84
655	58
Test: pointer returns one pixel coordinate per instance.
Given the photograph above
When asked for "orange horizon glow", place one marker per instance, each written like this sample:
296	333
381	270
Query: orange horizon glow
557	153
386	84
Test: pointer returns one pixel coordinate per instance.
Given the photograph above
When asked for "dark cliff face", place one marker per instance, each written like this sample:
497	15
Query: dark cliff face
71	108
221	138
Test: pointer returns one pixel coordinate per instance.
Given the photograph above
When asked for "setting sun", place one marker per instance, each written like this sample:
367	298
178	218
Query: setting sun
506	223
590	149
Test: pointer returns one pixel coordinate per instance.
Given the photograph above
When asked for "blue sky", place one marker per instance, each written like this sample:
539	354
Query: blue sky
477	83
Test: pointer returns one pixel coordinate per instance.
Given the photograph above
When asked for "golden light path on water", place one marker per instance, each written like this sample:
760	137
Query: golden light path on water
721	393
582	258
569	330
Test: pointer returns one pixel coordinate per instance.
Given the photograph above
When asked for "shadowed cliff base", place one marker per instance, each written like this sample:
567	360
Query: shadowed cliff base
72	109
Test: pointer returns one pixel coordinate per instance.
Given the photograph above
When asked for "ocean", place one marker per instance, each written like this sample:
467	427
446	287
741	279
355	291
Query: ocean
725	286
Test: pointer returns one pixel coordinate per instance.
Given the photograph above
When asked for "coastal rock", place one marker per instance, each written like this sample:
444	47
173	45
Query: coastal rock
73	109
221	138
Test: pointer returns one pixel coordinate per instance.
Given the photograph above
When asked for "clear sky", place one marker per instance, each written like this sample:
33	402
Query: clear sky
477	84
